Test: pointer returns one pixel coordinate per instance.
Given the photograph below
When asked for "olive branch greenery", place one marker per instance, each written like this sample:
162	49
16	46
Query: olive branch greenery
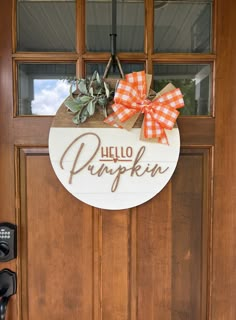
92	94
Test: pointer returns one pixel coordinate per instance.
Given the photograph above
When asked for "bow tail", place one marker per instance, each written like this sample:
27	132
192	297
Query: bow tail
120	115
112	121
163	138
152	129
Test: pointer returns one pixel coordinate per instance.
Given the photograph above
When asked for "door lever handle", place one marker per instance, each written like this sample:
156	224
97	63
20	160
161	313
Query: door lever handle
7	289
3	291
3	307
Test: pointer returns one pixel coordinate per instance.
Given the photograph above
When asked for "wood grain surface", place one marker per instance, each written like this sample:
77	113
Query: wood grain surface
169	259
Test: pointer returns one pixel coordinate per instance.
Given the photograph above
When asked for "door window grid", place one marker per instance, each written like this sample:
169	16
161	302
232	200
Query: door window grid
148	60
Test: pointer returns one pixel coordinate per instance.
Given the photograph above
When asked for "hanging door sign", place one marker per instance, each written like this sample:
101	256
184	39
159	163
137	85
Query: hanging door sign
111	168
125	159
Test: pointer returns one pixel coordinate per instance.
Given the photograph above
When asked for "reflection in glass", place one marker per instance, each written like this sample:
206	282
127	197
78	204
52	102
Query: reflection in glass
100	68
182	26
130	25
43	87
194	81
46	25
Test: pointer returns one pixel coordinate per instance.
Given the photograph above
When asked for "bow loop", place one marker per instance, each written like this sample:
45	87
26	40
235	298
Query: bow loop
138	79
127	95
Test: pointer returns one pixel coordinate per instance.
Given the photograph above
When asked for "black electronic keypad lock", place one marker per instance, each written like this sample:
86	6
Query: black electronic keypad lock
7	241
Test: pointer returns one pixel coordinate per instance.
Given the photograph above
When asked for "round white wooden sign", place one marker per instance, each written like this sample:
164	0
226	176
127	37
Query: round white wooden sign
112	168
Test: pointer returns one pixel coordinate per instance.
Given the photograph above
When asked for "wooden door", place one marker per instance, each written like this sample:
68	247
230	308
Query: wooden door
171	258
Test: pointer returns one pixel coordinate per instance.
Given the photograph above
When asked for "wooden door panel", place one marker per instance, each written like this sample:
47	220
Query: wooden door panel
172	244
115	264
150	261
171	258
191	234
154	249
224	222
56	233
68	264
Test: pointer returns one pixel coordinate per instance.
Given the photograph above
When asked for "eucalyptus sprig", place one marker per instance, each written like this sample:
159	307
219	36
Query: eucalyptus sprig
93	93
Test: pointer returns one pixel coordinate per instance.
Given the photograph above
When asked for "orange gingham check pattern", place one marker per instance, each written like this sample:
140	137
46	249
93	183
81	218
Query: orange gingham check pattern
163	114
138	79
159	114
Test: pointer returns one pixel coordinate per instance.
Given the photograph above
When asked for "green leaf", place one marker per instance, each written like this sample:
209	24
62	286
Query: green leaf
107	91
82	86
83	115
94	76
76	119
71	95
91	108
104	109
91	91
72	105
102	101
85	99
98	78
97	90
78	99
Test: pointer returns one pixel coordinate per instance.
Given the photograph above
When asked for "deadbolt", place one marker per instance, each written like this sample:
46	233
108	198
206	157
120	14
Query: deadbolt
7	241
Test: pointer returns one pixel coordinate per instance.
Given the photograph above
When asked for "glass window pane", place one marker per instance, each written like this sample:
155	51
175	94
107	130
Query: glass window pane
100	68
182	26
194	81
46	25
130	25
43	87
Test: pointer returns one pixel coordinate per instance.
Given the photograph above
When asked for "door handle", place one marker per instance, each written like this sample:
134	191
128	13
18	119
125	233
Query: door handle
7	289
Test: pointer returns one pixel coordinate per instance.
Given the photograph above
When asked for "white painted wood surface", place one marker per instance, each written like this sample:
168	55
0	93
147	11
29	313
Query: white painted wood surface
112	168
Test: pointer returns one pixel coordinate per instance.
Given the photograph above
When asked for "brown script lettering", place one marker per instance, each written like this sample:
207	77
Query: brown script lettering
136	168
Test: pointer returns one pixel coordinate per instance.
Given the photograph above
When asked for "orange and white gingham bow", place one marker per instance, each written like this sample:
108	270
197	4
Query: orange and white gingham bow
159	114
